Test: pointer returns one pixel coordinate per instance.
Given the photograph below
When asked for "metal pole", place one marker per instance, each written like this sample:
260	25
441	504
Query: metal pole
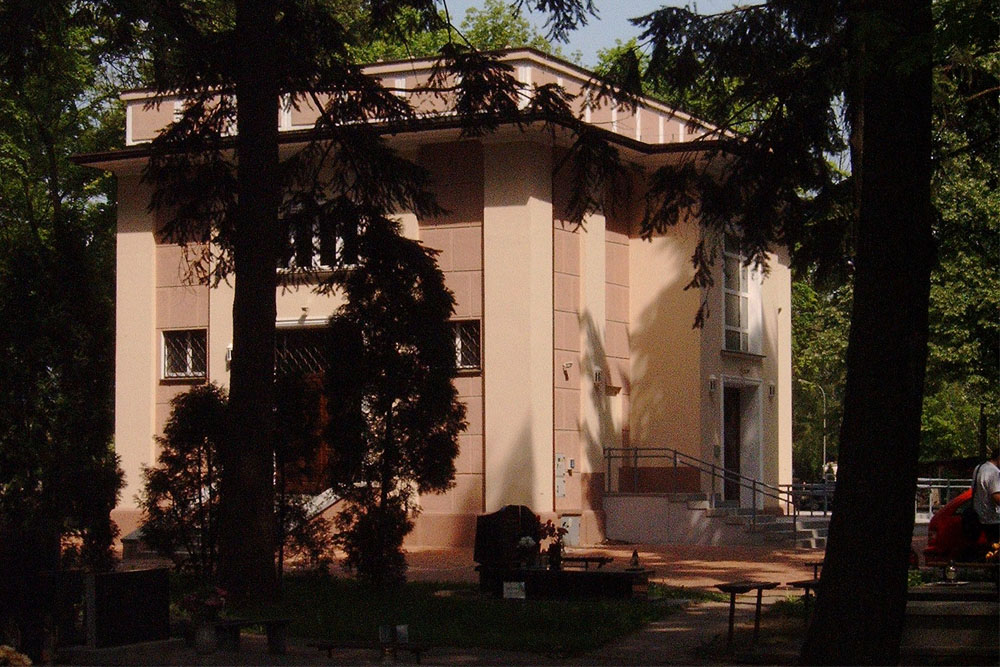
823	392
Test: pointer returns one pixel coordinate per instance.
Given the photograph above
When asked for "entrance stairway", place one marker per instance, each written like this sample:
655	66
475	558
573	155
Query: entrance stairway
689	518
642	504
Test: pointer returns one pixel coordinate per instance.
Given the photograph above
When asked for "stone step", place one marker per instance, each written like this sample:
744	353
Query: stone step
932	623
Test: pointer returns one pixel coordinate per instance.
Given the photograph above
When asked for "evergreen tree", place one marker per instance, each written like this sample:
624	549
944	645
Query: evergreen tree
394	414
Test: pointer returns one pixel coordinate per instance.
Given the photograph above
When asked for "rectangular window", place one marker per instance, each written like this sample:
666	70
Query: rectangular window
468	348
737	295
185	353
315	244
300	351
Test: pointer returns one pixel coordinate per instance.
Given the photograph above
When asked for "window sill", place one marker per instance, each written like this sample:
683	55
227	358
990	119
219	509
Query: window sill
200	379
468	372
748	356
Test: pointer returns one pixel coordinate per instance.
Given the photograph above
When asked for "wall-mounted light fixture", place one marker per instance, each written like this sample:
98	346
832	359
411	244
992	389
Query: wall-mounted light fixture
771	390
712	384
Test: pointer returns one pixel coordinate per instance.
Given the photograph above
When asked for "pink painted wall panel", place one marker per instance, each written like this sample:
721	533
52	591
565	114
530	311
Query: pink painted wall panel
567	331
567	409
567	292
616	303
473	414
469	385
617	263
181	307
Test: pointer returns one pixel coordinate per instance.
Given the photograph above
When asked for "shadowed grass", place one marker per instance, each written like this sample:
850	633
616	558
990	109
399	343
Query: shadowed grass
458	615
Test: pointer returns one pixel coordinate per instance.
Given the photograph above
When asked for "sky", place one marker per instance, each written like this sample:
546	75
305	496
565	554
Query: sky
602	31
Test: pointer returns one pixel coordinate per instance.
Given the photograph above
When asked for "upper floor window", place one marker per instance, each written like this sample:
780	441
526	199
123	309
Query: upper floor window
185	354
314	243
468	346
741	294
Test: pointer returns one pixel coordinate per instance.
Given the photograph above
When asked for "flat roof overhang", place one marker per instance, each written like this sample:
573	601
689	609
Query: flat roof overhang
436	129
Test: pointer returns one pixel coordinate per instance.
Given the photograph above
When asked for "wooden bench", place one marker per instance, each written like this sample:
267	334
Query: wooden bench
227	633
388	649
808	586
586	561
735	588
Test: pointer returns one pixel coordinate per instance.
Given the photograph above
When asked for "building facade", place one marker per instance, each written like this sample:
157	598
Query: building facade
571	341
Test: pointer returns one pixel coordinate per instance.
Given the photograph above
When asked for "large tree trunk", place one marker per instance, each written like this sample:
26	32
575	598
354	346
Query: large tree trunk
246	535
862	600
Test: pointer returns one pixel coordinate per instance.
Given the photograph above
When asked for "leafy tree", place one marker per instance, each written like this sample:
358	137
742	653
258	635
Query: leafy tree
784	73
821	319
345	177
394	415
58	474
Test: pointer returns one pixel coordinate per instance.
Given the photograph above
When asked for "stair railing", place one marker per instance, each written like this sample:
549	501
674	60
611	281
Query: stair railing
758	489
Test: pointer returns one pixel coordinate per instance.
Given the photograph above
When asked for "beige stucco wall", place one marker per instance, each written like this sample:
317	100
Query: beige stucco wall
135	334
666	350
518	325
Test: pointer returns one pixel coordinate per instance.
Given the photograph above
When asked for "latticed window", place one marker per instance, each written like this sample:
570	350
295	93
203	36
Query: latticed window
468	348
185	353
300	351
741	292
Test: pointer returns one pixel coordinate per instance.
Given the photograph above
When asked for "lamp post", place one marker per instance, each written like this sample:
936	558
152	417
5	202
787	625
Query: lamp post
823	392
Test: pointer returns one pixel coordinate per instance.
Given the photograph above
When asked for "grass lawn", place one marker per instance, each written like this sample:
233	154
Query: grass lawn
458	615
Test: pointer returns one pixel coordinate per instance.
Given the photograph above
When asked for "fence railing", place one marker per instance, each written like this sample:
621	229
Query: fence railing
936	492
625	474
625	461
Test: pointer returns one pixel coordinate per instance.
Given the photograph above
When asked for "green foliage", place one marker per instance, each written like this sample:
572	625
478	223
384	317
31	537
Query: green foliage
963	365
394	416
820	324
180	498
58	473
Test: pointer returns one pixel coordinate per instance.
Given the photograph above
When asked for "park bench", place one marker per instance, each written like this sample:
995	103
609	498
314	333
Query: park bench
735	588
392	640
388	649
227	633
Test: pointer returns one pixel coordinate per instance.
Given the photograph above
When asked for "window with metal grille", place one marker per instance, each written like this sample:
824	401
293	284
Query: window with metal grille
468	349
300	351
185	353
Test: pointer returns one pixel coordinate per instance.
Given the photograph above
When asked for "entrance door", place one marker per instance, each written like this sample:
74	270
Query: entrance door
731	441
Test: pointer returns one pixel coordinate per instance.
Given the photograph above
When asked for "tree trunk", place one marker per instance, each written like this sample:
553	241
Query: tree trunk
862	599
246	533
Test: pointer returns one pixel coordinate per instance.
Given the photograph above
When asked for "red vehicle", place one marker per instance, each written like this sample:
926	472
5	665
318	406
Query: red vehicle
945	539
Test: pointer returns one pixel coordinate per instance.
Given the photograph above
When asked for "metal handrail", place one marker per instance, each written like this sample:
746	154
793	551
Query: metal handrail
756	486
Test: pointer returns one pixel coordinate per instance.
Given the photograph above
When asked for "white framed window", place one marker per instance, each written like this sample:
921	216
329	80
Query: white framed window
185	354
741	300
468	344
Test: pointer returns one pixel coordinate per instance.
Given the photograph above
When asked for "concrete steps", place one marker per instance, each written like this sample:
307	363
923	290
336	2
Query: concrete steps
690	518
952	625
